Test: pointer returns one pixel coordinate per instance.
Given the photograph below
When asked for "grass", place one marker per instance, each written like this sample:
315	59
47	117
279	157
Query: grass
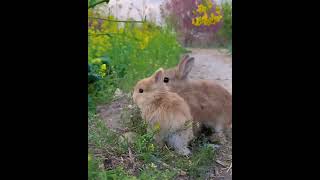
130	52
153	162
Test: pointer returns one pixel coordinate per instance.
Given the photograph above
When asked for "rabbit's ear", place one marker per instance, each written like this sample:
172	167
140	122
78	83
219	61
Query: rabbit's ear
158	75
185	67
184	57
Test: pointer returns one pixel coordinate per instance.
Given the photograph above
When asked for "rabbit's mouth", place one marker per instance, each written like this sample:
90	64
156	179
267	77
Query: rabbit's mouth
136	99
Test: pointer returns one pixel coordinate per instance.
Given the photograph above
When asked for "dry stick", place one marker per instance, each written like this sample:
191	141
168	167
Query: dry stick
130	155
229	167
222	79
221	163
99	34
107	150
110	147
168	166
115	132
111	20
131	158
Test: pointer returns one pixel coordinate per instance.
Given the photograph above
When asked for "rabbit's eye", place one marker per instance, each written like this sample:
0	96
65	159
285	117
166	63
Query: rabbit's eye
166	80
140	90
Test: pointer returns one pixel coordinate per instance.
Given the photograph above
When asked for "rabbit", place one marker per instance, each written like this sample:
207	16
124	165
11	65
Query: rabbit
210	104
167	109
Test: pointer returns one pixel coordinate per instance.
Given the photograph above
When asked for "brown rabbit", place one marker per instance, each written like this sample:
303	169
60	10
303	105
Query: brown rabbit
167	109
210	103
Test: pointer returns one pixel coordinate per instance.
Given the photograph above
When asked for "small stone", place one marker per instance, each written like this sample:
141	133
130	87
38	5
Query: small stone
101	166
183	173
118	93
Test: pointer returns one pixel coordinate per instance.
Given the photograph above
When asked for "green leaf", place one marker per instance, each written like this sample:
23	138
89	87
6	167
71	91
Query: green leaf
105	60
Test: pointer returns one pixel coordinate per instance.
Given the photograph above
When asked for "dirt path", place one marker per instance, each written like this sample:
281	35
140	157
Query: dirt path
210	64
216	65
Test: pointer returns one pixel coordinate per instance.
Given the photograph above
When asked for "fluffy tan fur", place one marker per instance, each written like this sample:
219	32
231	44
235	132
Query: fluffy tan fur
210	103
168	109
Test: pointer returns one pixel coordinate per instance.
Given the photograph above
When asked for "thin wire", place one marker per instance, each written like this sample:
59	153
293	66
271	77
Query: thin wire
111	20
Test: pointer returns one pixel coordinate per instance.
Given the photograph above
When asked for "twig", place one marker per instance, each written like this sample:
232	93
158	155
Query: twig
222	79
221	163
103	150
168	166
111	20
229	167
131	158
130	155
120	134
99	34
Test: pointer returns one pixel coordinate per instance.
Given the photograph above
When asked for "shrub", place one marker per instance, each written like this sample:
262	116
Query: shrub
120	54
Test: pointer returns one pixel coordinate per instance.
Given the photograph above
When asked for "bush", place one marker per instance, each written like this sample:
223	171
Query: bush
225	32
120	54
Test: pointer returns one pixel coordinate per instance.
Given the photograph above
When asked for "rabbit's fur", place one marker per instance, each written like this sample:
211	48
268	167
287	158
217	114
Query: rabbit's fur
210	104
168	109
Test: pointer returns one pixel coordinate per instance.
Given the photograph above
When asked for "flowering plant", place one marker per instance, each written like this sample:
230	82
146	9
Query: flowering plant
207	13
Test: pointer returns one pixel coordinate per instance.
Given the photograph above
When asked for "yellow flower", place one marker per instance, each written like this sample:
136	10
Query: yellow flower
157	126
193	21
199	21
194	12
103	69
96	61
210	4
153	166
201	8
218	9
204	18
151	147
